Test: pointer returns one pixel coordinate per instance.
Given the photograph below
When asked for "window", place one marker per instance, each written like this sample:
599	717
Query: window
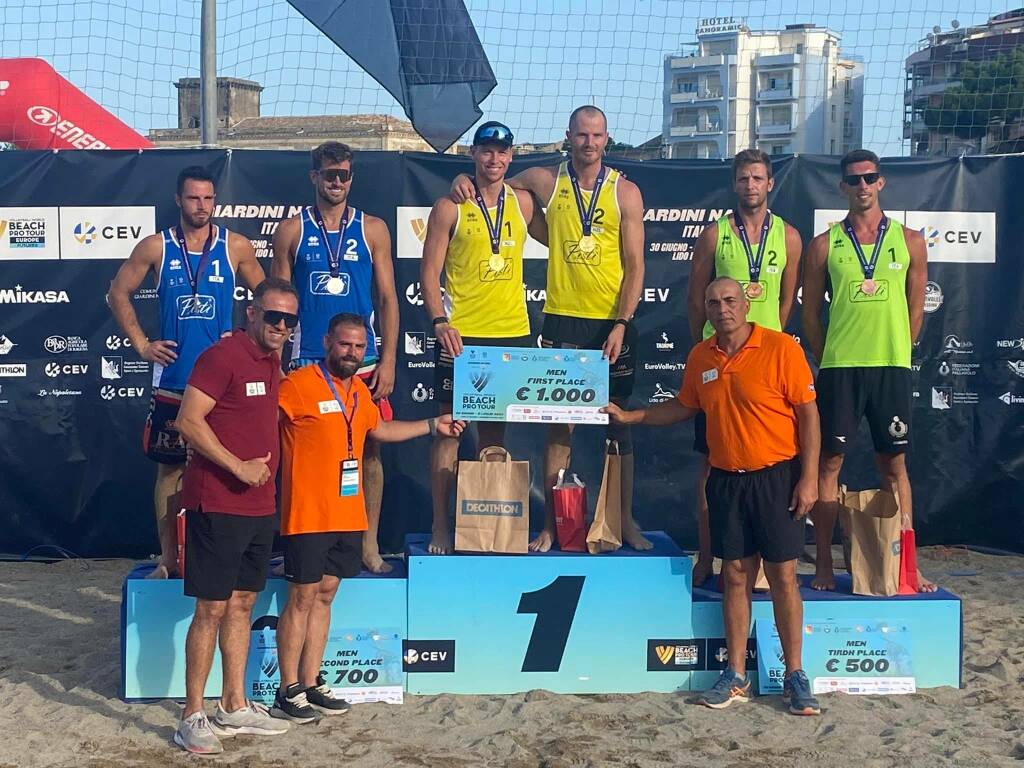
777	149
833	113
832	147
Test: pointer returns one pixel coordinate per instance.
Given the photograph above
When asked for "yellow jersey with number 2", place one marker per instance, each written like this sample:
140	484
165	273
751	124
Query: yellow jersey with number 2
584	283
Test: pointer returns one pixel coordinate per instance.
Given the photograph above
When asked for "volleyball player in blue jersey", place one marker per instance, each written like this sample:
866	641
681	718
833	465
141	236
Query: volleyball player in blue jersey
196	265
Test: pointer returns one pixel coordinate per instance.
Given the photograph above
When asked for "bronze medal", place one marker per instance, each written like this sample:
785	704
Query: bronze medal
754	290
869	287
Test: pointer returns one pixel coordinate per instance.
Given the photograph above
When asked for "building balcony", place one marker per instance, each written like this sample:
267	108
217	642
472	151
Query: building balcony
777	61
922	90
699	129
775	129
684	63
776	94
691	97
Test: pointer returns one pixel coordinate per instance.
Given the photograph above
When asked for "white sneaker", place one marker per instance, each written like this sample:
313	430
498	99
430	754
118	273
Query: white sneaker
253	719
195	735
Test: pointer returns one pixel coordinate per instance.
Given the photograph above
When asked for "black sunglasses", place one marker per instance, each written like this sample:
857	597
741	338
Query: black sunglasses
853	179
273	317
497	133
336	174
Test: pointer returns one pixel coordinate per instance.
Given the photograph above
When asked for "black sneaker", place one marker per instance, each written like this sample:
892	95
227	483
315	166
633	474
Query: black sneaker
290	704
322	697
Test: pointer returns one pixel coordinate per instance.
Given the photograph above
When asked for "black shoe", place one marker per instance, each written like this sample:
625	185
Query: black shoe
322	697
290	704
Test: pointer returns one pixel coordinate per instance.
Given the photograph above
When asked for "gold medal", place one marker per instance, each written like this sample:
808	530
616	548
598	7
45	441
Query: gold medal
335	286
754	290
869	287
587	243
496	262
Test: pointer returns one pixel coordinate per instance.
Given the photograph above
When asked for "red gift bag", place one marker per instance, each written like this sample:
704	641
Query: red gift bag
908	563
180	521
570	499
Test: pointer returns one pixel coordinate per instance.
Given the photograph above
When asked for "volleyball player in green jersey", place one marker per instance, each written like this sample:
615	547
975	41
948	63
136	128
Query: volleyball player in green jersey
876	271
762	252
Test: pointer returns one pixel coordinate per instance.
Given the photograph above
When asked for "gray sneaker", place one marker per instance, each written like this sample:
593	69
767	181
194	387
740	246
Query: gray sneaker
253	719
195	735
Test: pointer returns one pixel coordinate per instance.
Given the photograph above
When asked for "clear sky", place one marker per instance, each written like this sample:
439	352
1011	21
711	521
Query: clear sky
549	55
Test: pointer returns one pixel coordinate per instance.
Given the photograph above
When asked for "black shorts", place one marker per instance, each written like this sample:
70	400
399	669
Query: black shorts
564	332
226	552
749	513
308	557
444	364
700	433
161	441
884	395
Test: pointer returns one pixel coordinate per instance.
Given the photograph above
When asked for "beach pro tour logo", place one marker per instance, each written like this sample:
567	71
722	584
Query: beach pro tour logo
674	655
66	130
199	307
428	655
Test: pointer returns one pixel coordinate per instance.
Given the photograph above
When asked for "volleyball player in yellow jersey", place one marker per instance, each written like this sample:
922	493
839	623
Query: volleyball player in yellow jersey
479	244
762	252
595	277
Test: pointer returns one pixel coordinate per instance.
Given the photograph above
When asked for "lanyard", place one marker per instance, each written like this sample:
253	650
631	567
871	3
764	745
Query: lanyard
754	263
868	267
193	278
493	228
333	254
586	217
355	405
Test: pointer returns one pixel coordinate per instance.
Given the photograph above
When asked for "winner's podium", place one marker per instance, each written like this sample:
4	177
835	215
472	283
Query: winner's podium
563	621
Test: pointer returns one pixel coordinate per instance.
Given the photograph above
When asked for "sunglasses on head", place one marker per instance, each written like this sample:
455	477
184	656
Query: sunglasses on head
498	133
274	317
853	179
336	174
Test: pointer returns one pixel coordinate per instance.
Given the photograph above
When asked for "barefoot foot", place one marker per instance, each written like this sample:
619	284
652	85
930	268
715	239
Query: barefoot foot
543	542
440	543
631	535
702	570
374	563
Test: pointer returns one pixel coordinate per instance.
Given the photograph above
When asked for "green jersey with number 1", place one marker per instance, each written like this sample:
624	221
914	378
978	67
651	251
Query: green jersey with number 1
731	261
868	330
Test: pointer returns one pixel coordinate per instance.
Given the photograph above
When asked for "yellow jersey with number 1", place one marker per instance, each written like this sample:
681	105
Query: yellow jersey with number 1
584	283
486	290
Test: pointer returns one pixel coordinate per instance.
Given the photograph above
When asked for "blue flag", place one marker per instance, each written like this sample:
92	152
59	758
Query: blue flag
426	53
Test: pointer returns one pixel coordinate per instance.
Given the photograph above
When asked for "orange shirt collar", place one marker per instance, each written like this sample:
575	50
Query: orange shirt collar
753	341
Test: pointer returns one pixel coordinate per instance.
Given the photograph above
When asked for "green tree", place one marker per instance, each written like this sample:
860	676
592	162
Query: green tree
987	90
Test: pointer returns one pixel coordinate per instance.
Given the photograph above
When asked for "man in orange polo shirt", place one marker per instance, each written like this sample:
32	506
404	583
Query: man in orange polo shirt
327	412
757	391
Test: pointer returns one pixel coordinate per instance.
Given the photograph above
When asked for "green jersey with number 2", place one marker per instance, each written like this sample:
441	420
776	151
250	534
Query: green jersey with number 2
868	330
731	261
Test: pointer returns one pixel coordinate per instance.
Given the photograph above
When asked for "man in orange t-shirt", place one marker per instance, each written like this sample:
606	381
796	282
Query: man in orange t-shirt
763	435
327	412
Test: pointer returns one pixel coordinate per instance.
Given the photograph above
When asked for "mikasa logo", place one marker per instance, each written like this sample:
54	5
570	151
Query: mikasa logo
19	295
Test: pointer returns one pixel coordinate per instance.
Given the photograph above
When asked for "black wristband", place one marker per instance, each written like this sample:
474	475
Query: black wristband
439	320
621	321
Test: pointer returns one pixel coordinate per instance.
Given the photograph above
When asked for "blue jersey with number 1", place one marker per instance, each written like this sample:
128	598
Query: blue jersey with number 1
193	321
317	305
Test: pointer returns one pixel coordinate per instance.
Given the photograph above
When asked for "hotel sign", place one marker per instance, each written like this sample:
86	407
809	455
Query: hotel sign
715	24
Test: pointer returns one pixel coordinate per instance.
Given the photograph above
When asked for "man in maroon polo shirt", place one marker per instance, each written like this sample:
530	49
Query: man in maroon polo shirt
229	418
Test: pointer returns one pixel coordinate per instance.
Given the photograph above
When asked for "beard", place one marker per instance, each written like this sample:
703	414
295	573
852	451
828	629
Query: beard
195	221
343	367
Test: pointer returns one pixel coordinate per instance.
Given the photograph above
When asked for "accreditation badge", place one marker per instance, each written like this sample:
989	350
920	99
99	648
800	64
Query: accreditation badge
349	482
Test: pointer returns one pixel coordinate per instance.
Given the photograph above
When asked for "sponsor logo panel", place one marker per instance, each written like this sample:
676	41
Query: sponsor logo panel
428	655
961	237
28	234
104	232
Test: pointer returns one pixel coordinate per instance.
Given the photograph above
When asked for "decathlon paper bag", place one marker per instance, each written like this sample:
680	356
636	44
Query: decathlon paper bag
570	500
871	540
492	503
605	533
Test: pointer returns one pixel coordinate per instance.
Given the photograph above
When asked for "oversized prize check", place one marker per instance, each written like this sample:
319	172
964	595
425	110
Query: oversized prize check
527	384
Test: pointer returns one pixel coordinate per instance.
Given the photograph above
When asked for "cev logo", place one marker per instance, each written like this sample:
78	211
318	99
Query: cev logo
43	116
85	232
931	236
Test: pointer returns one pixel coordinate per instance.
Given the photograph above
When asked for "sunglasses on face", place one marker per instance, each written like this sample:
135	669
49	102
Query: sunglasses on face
274	317
853	179
336	174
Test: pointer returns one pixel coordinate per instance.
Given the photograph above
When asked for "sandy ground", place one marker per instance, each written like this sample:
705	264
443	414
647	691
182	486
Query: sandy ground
59	649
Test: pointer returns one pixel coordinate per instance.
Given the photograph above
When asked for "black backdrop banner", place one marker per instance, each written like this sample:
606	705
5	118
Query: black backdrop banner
73	395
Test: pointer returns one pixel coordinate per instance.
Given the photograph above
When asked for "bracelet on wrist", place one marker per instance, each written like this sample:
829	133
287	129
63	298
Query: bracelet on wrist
432	426
439	320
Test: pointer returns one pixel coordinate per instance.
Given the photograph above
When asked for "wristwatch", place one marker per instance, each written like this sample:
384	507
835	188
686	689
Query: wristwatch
438	320
621	321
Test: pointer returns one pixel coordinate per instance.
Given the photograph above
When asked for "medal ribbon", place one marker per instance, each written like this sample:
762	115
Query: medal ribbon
333	254
754	263
355	404
586	217
868	267
493	228
193	278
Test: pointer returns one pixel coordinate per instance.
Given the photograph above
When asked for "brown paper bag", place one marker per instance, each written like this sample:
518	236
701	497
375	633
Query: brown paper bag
871	540
605	533
492	503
